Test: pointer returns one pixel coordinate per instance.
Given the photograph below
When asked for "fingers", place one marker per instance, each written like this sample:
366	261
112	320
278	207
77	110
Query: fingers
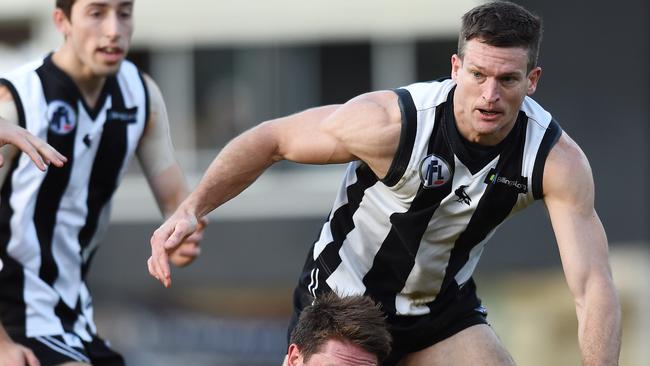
185	254
31	358
39	151
42	150
158	263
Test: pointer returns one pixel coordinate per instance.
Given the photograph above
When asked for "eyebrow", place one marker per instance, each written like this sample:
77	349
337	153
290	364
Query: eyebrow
505	74
104	4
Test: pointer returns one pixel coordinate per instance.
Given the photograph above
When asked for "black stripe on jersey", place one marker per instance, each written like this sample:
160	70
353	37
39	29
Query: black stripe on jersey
396	257
67	315
17	101
108	163
494	206
551	136
57	179
341	223
406	138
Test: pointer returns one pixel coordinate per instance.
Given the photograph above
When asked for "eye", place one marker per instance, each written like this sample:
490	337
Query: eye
509	80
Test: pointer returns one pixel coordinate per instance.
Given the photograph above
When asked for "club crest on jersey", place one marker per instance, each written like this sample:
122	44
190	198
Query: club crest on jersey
62	117
434	171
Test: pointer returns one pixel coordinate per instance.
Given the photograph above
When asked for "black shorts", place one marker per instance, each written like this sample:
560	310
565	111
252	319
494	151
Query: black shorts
415	333
56	349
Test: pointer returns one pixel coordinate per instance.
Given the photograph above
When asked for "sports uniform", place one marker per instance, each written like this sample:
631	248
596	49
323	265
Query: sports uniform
412	239
50	223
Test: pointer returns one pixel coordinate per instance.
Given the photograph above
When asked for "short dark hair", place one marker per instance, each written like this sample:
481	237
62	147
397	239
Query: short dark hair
66	6
502	24
354	319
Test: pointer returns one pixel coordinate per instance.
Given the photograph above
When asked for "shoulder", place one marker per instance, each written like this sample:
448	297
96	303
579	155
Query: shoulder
426	95
567	174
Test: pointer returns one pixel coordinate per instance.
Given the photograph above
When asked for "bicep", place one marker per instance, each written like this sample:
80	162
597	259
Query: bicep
155	150
156	155
569	198
365	128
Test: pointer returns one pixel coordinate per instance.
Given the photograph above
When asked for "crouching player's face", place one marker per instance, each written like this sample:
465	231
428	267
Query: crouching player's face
333	353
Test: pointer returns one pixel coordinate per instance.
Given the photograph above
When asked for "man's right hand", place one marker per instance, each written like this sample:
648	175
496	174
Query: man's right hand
14	354
167	238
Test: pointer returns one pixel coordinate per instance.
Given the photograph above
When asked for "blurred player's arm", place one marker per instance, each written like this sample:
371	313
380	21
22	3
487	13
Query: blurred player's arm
14	138
569	197
156	156
14	354
365	128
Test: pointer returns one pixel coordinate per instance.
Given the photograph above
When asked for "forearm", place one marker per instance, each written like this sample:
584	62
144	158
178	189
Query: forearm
599	324
236	167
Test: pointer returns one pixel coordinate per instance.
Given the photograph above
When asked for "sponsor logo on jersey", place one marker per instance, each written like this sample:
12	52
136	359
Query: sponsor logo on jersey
434	171
129	115
519	183
463	197
62	117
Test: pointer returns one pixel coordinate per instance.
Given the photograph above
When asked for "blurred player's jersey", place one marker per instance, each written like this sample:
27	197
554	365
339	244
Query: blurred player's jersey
50	223
413	239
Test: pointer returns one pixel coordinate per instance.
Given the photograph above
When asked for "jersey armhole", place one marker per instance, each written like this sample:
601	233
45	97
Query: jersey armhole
551	136
147	102
17	101
406	138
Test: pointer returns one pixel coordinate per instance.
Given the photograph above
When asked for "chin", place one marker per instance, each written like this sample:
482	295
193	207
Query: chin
107	70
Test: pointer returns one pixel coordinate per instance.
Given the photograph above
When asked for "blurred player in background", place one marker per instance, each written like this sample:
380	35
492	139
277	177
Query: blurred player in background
339	331
434	169
98	110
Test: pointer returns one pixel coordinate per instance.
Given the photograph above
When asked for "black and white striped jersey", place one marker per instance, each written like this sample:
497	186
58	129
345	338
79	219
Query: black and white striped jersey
413	239
50	223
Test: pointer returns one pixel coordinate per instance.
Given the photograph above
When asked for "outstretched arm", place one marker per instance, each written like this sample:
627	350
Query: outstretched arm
38	150
365	128
569	197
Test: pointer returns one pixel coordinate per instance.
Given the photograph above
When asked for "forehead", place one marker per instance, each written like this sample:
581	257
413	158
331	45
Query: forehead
111	3
337	353
497	59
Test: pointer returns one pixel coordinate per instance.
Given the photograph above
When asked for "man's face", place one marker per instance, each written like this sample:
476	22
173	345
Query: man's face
334	353
491	85
99	32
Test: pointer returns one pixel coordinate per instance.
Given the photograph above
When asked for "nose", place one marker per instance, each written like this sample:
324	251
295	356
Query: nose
113	26
490	91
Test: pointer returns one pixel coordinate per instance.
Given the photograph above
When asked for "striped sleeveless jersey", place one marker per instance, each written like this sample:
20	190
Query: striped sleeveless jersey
413	239
50	223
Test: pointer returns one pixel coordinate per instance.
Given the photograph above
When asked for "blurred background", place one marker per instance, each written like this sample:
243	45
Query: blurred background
224	66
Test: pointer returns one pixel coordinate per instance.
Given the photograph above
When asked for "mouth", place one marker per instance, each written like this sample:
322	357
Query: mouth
489	113
111	53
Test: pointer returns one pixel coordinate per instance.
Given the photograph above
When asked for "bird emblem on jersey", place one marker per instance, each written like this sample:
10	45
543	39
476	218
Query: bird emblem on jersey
62	117
463	197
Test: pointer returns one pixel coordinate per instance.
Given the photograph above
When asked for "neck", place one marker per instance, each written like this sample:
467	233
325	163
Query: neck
90	85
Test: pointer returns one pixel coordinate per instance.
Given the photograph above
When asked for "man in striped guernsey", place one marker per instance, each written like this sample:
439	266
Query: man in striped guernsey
99	111
434	169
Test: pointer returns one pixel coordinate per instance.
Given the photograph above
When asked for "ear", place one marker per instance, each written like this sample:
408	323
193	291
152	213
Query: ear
456	64
294	358
533	79
61	22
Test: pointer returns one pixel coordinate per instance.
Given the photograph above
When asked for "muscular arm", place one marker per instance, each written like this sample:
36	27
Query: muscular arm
569	197
365	128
